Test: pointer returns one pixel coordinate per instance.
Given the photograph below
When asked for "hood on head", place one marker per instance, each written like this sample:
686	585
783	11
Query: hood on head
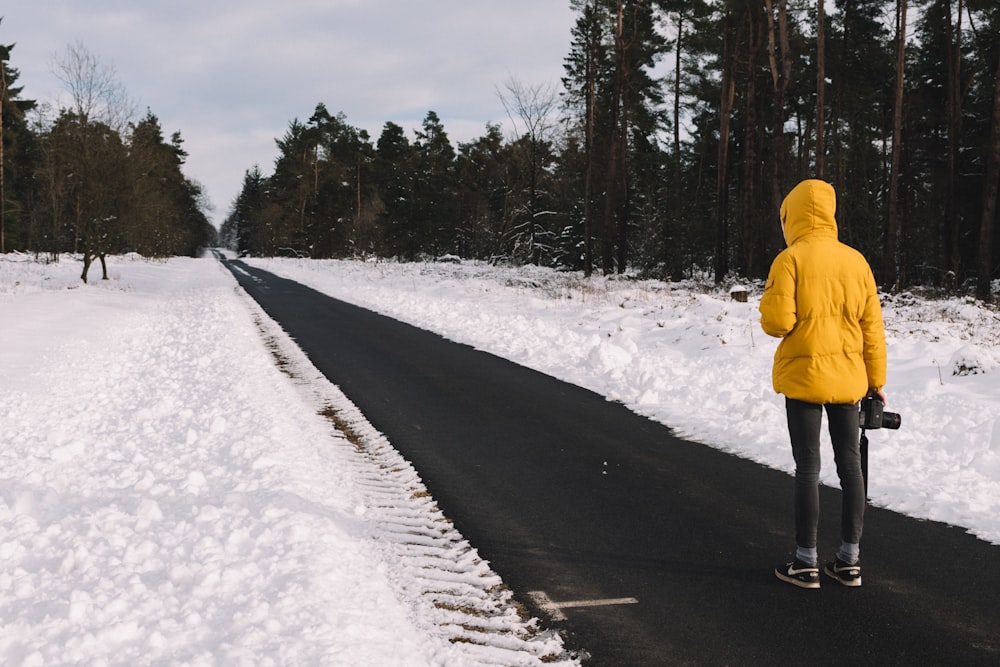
808	210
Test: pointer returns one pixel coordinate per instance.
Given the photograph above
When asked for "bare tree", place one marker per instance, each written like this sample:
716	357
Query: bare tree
530	106
91	133
95	90
532	111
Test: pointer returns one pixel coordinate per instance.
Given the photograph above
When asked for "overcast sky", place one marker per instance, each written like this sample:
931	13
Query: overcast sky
231	74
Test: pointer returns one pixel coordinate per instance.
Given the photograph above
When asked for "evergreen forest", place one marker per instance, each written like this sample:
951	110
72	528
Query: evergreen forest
676	130
89	178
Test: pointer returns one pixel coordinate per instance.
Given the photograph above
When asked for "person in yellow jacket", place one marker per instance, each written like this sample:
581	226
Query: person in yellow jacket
822	301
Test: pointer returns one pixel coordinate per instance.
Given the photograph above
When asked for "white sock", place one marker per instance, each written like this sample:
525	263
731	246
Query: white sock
807	556
849	553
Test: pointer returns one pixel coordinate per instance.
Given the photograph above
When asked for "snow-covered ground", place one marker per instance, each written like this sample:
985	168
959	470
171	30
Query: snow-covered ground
178	485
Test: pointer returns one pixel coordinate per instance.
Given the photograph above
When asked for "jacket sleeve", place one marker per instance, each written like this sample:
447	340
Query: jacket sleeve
873	332
777	306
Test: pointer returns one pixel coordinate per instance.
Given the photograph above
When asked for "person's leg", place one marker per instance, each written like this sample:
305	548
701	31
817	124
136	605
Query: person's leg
845	436
804	421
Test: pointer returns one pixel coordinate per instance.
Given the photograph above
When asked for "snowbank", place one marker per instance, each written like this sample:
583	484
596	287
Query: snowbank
177	486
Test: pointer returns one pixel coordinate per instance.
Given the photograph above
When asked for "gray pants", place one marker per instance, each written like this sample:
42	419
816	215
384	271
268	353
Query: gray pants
804	421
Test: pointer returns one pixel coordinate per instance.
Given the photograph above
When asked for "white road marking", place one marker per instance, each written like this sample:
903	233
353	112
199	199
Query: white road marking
554	609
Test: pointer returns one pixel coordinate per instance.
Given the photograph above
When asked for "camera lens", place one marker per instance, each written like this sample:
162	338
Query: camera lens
891	420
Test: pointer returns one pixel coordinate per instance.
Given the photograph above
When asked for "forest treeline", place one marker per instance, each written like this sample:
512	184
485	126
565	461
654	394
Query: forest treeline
88	178
678	127
667	147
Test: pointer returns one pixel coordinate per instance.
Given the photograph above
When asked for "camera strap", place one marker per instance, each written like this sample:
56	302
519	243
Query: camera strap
864	460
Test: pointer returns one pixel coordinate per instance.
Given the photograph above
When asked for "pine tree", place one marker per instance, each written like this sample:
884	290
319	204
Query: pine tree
341	186
615	46
482	191
13	136
243	227
585	70
530	109
394	165
432	216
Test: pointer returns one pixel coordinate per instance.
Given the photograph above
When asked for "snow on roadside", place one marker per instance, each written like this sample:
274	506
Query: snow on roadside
178	485
694	359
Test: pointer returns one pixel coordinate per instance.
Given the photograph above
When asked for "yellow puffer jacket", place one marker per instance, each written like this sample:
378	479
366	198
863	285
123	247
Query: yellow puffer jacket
821	300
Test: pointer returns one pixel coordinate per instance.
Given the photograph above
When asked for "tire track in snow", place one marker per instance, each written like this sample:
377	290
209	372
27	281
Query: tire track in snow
451	592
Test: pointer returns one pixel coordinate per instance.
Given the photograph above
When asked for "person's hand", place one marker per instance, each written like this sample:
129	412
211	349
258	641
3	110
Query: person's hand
880	394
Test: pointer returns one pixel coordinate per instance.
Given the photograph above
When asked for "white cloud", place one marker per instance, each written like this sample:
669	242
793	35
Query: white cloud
231	75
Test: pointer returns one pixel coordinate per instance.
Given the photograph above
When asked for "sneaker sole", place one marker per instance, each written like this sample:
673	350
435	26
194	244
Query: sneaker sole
795	582
850	583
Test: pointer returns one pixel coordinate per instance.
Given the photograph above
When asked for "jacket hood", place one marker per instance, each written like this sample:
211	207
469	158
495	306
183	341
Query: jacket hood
809	210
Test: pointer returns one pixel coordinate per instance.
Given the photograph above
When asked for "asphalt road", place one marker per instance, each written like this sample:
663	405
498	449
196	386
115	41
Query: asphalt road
572	498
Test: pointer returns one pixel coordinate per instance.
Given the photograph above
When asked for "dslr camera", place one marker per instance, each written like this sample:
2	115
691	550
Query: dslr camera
873	416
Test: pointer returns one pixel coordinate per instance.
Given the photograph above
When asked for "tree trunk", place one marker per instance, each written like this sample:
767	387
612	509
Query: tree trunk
588	187
87	260
624	207
3	197
722	187
780	76
953	60
672	221
677	110
748	199
820	87
589	148
892	236
991	187
611	198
